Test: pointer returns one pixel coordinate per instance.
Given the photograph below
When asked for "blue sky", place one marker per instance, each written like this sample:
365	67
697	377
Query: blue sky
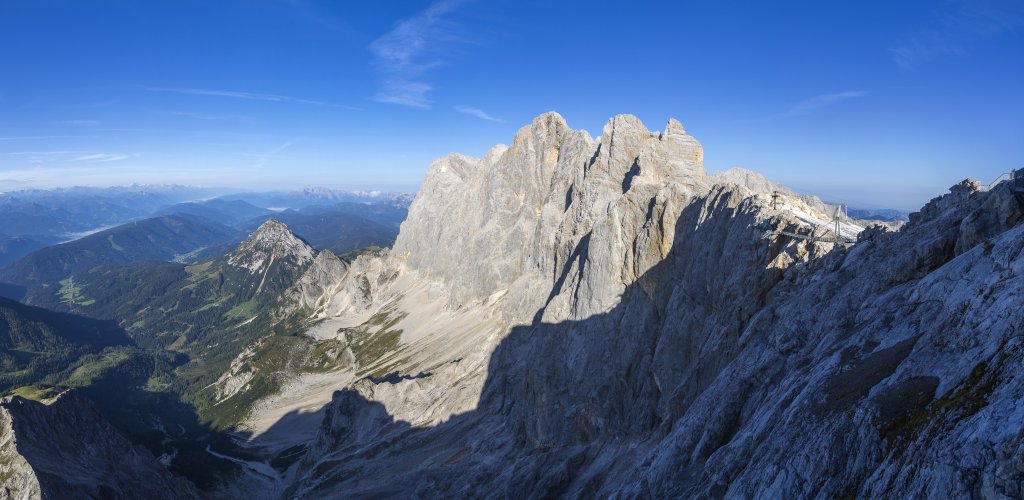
876	103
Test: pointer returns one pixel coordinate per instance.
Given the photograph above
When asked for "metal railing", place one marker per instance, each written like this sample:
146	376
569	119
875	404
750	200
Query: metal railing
1017	176
827	238
835	238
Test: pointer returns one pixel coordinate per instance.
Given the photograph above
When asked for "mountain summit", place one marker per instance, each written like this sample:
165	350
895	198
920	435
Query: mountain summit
272	240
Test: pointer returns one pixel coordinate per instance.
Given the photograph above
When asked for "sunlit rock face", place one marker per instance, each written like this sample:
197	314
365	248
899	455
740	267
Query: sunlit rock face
526	216
271	241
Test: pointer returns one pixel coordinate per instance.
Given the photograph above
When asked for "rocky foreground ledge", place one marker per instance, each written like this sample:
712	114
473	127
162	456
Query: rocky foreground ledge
63	448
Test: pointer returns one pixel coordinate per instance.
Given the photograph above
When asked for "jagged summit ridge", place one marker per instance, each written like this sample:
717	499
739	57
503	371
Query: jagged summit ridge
272	240
520	212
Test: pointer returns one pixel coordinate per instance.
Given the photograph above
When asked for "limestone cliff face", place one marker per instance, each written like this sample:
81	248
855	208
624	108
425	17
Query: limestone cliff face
582	291
65	449
315	285
526	216
652	342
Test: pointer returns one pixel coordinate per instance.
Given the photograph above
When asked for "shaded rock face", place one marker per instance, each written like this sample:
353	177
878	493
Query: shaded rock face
313	287
659	346
616	266
65	449
888	369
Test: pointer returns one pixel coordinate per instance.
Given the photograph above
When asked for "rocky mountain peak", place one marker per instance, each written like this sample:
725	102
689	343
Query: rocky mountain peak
272	240
530	208
673	127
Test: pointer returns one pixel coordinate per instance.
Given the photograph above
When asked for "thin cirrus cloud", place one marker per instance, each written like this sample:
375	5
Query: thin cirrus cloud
102	157
39	157
812	104
48	157
404	55
203	116
263	158
38	137
478	113
79	123
955	28
252	96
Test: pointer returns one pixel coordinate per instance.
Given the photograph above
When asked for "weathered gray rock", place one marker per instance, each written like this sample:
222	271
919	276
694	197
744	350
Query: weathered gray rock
317	284
66	449
653	343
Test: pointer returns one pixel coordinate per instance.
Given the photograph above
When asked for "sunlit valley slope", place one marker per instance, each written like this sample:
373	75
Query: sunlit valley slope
575	316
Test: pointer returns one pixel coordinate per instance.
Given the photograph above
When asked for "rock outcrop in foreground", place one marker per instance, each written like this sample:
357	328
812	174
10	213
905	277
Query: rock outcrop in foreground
65	449
599	317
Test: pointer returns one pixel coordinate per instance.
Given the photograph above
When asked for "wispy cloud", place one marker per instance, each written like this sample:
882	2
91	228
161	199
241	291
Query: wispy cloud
478	113
74	174
79	123
46	157
102	157
38	137
263	158
923	47
957	26
15	182
817	102
40	157
406	53
236	95
203	116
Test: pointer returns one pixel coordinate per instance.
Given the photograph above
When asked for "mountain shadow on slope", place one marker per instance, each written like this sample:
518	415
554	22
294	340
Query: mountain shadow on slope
207	313
45	353
541	397
38	346
665	395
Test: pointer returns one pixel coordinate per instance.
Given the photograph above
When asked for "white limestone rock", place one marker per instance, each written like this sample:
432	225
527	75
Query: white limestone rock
272	240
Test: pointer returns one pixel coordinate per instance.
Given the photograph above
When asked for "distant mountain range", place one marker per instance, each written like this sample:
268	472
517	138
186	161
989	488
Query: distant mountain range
882	214
234	213
312	196
37	218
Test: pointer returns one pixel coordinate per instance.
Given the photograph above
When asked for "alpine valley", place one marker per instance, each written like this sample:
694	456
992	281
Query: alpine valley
566	316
